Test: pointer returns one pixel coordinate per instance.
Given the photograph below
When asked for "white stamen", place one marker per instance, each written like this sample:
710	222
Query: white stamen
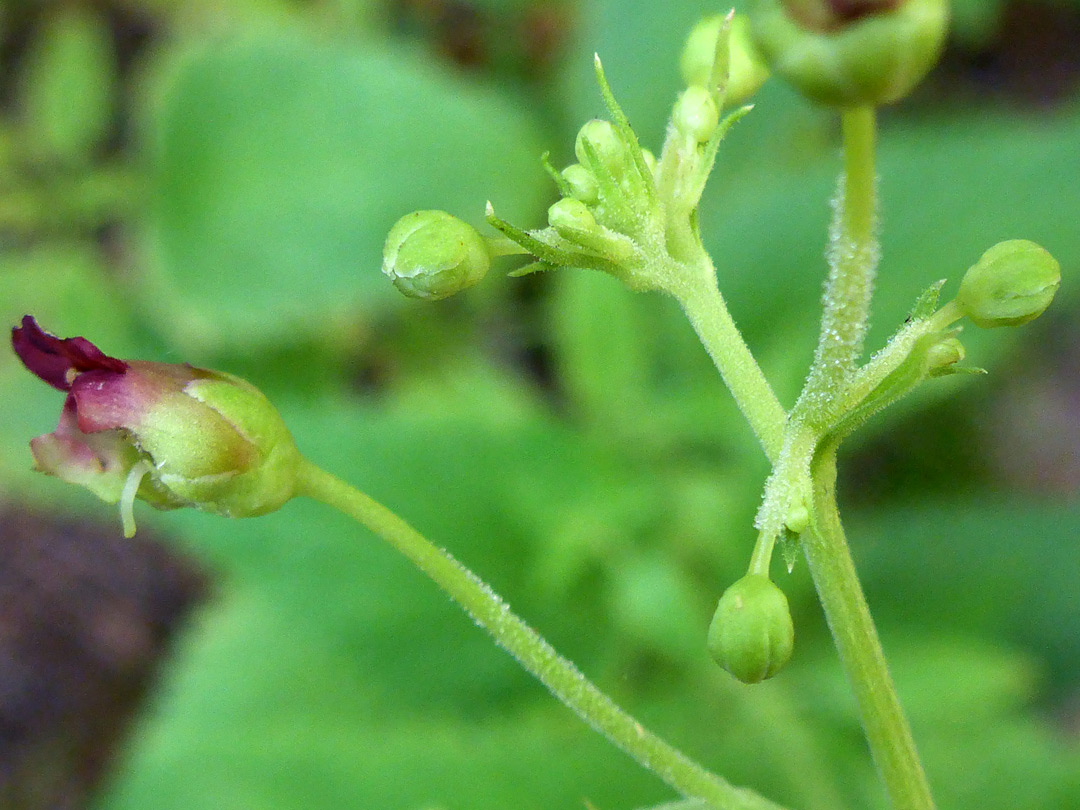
127	496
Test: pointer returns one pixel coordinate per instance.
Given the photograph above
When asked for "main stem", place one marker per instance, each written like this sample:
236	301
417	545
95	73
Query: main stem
853	255
558	674
886	728
705	307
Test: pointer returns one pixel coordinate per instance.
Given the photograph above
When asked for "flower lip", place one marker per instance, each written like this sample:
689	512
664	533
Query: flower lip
54	359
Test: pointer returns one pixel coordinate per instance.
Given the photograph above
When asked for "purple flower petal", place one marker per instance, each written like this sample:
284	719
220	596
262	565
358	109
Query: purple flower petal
53	359
107	401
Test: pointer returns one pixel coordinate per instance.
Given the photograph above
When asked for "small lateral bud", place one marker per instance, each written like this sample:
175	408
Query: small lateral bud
606	142
943	355
570	218
432	255
798	518
1013	283
582	183
696	113
751	634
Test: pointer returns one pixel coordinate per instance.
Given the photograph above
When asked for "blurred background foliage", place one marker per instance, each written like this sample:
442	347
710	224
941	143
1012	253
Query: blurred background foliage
212	183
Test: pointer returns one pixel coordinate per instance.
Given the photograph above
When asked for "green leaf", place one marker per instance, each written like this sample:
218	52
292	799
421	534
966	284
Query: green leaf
280	163
600	353
947	565
69	84
975	22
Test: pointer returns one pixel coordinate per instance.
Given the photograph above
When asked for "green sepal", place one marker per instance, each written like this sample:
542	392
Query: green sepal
789	547
611	193
697	186
721	70
912	370
927	303
622	125
968	370
530	268
556	176
551	254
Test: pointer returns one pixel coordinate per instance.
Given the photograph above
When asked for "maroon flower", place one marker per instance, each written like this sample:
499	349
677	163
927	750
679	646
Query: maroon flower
173	435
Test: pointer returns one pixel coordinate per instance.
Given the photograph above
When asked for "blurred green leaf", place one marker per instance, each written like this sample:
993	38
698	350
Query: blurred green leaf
599	346
280	163
996	568
974	22
69	85
640	51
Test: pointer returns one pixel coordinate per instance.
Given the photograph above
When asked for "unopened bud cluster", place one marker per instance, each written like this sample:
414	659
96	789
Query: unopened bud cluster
622	210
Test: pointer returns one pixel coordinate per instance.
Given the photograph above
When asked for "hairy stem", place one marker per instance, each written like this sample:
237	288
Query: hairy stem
886	728
853	256
558	674
708	314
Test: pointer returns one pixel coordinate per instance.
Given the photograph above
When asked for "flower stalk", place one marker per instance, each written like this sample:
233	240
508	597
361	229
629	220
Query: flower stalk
559	675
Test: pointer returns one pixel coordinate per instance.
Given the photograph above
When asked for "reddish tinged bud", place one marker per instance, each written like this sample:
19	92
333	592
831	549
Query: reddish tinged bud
172	435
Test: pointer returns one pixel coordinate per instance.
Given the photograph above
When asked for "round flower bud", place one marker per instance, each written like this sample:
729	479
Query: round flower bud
570	217
696	113
869	54
1013	283
582	183
432	255
746	71
606	142
751	635
943	355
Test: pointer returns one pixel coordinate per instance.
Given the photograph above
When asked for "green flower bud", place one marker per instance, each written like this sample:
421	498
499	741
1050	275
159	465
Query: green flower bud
751	635
942	356
570	217
608	144
582	183
848	55
432	255
1013	283
696	113
797	519
746	70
